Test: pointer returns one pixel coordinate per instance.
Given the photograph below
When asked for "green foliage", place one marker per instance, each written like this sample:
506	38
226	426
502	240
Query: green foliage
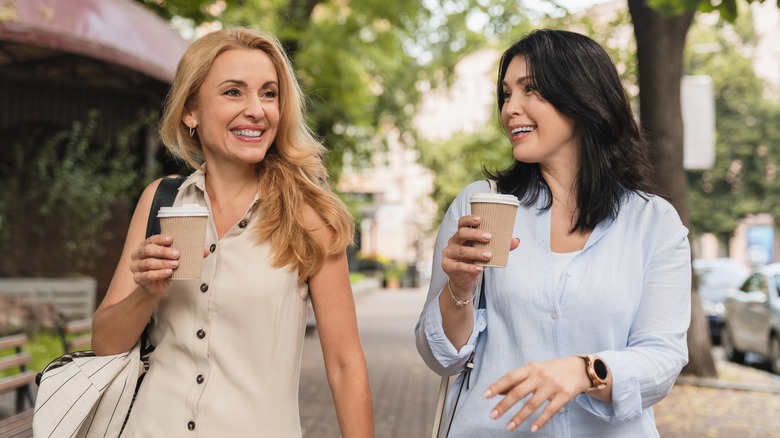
727	8
196	10
356	277
361	62
623	53
58	191
460	160
44	348
394	271
743	180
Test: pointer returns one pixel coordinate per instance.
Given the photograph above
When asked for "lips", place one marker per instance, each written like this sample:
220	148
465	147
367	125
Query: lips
522	130
248	133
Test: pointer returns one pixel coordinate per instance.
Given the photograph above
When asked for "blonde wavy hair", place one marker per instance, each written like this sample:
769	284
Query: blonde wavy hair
292	175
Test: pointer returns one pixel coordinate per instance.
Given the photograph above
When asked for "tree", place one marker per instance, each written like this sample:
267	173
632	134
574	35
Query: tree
660	29
60	189
742	180
362	63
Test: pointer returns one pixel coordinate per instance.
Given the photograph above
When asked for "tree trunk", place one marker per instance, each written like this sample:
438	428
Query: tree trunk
660	42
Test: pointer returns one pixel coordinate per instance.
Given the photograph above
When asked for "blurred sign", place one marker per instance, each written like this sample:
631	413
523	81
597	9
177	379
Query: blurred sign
760	245
698	113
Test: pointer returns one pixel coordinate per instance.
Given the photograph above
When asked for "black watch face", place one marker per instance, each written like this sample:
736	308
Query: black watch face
600	368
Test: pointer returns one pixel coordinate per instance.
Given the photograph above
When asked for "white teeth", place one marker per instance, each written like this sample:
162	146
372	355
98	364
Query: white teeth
248	133
523	129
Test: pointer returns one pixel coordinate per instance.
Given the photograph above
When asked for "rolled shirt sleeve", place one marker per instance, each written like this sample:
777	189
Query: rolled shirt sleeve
433	345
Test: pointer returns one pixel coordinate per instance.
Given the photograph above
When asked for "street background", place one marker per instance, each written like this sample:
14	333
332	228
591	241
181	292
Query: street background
743	402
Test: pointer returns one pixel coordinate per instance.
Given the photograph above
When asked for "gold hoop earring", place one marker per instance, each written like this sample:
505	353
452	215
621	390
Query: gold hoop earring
192	131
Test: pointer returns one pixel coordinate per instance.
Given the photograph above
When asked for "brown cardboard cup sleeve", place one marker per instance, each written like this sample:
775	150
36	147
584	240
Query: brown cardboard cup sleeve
187	225
498	214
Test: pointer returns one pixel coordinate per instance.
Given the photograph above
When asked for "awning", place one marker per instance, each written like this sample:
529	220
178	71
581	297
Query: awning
117	32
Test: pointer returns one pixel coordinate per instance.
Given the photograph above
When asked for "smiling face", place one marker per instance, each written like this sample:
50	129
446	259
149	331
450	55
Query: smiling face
538	131
236	110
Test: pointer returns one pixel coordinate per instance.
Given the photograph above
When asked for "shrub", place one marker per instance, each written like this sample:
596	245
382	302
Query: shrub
57	195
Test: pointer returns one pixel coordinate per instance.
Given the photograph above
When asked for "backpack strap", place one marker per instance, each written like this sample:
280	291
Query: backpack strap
163	197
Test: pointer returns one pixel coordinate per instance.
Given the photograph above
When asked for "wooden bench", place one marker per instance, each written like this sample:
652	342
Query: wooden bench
76	335
19	424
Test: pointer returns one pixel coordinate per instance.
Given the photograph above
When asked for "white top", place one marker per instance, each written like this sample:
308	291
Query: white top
560	261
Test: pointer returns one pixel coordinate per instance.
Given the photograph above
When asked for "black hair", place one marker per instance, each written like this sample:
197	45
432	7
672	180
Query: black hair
577	76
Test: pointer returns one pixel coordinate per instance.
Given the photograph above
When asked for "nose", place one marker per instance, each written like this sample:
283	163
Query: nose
514	106
254	108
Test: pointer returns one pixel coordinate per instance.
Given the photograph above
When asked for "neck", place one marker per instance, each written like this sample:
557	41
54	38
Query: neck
230	189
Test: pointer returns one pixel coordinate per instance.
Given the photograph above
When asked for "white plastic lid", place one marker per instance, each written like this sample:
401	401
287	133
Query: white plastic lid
184	210
494	198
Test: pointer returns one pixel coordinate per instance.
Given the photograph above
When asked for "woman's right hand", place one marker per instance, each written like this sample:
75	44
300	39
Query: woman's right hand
153	264
459	256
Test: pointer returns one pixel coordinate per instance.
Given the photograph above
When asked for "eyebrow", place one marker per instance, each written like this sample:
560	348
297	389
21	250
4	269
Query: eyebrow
244	84
520	80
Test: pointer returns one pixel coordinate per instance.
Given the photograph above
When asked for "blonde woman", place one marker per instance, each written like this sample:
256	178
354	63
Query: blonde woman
228	345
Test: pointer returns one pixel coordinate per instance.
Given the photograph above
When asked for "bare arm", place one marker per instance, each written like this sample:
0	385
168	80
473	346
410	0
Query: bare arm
458	259
345	363
141	278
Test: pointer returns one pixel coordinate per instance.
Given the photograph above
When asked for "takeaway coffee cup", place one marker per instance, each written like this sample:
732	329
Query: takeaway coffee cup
187	225
498	218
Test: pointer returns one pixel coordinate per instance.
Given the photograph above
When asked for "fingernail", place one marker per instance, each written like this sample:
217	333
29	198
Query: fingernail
174	263
511	425
174	253
534	428
167	238
487	393
477	218
494	414
487	255
487	236
168	271
478	268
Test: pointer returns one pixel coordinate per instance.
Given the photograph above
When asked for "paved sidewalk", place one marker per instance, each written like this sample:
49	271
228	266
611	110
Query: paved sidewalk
742	402
404	389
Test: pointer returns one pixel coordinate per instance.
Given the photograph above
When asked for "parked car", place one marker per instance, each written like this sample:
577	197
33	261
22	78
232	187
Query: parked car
752	318
716	277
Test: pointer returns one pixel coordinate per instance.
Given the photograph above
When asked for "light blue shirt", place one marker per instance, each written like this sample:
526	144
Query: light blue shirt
625	297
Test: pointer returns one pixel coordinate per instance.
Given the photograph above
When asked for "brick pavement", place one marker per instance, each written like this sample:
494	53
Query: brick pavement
404	389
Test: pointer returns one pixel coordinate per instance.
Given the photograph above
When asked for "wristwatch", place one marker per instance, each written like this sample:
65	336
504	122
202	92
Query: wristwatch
597	371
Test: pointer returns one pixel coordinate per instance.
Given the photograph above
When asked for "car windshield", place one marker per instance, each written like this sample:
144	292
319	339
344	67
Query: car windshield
777	284
721	275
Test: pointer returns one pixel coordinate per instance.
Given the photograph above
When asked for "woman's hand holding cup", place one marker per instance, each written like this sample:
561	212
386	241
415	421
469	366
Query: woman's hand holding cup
460	258
153	264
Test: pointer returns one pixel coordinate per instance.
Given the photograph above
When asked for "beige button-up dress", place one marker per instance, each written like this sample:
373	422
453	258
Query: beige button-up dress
229	344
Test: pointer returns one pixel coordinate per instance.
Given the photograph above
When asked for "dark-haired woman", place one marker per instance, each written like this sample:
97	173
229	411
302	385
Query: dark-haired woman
585	329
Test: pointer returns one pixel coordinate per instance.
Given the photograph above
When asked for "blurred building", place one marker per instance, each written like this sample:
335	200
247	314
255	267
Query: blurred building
392	196
61	59
397	213
766	56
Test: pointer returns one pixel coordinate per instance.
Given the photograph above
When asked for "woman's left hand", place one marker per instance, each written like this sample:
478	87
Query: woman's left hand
557	381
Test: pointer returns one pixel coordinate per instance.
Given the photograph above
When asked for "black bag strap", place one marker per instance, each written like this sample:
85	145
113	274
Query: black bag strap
469	363
163	197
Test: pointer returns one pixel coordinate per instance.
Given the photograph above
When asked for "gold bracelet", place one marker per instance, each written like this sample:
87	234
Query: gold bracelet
455	300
